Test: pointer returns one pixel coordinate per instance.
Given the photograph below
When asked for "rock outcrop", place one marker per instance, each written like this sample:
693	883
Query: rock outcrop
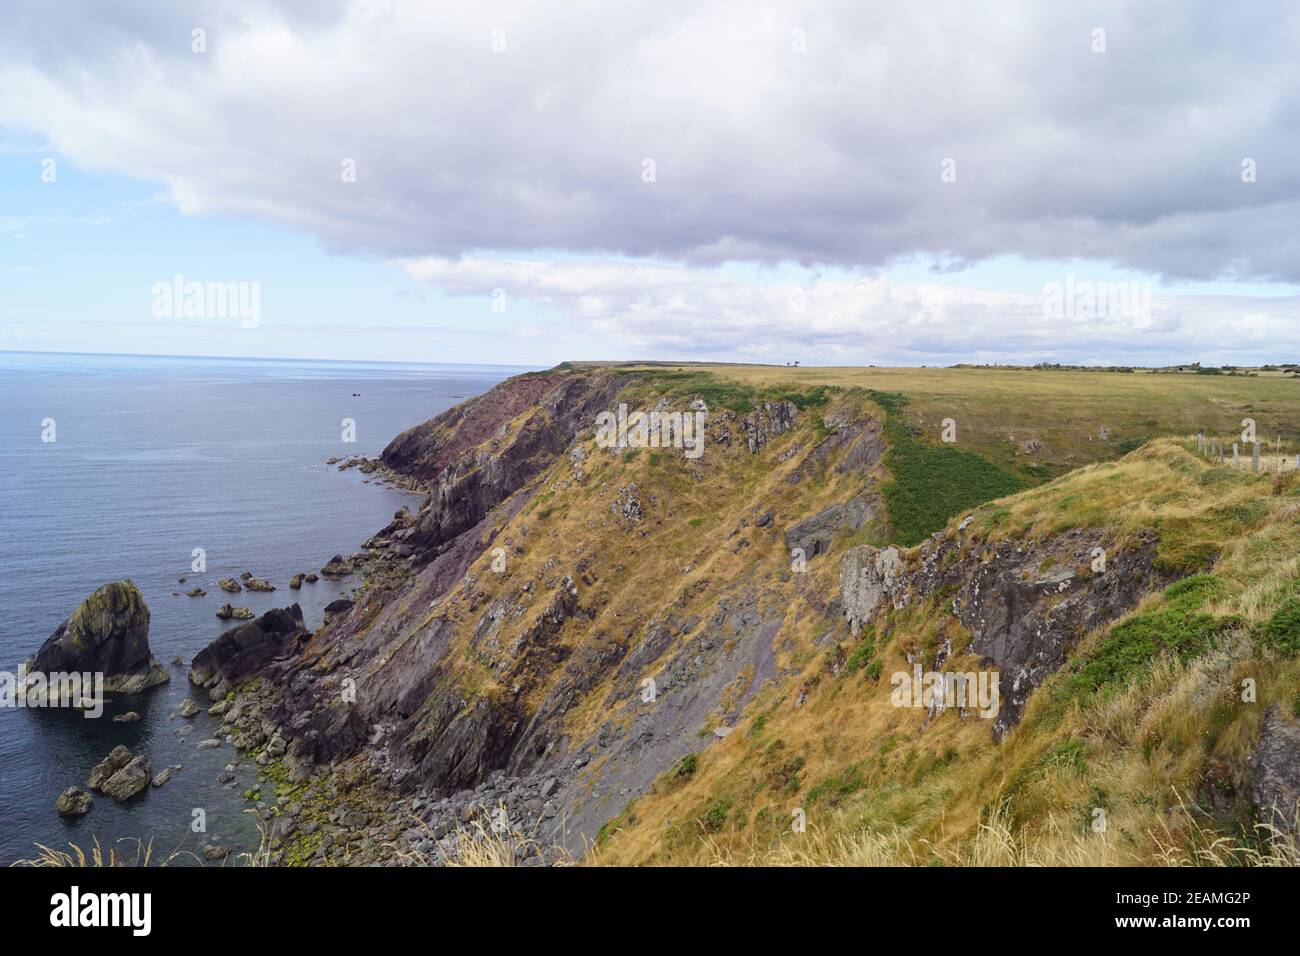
107	634
242	652
1026	604
121	775
814	535
1275	792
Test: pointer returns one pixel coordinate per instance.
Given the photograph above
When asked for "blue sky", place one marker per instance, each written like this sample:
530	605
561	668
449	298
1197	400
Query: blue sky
501	210
79	258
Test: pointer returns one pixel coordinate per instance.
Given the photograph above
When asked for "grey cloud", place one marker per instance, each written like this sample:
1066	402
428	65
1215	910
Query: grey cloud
1129	157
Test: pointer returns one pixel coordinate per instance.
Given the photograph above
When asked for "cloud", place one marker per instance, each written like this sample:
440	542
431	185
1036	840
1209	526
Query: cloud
617	309
762	153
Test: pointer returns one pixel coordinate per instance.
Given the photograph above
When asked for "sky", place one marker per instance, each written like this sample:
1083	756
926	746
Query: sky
834	183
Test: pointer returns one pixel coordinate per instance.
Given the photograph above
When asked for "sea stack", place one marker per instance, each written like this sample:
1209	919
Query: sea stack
107	634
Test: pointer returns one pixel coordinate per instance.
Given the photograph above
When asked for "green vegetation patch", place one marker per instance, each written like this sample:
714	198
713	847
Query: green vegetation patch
932	483
834	790
1177	625
720	393
1282	630
1193	544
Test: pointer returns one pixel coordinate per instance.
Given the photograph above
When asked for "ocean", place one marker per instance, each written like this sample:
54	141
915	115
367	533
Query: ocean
152	458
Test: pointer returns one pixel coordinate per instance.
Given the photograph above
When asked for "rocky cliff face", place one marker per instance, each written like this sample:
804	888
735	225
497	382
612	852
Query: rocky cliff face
475	456
107	634
1026	604
560	624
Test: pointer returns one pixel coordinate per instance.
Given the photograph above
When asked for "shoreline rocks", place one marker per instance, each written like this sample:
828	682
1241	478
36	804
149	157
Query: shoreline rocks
337	567
241	652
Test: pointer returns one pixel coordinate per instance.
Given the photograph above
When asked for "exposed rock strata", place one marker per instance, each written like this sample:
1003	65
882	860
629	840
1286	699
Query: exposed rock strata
1027	604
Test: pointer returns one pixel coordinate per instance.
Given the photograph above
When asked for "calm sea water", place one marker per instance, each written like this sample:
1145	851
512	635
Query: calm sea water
153	458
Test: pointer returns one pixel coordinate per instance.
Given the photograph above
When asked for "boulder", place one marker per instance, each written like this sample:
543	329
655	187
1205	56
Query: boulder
117	758
259	584
226	613
108	634
337	567
163	777
130	717
130	780
335	608
74	802
242	651
189	708
229	585
295	582
196	592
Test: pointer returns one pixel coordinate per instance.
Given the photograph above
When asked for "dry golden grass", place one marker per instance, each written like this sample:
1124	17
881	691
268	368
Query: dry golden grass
941	792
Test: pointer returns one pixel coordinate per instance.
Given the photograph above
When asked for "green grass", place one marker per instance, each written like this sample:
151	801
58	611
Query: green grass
932	483
835	789
1282	630
719	393
1176	625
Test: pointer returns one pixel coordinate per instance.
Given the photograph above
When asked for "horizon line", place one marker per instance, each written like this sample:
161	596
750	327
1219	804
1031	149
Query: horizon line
257	358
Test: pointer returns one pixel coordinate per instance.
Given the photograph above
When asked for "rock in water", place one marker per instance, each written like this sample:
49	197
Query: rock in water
108	634
337	567
118	758
226	612
74	802
259	584
295	582
189	708
130	780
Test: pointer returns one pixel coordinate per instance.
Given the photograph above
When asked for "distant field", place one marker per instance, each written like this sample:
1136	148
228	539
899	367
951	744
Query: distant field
1039	423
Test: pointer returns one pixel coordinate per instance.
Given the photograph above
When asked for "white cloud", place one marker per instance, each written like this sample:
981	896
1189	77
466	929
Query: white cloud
762	153
1129	158
620	309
